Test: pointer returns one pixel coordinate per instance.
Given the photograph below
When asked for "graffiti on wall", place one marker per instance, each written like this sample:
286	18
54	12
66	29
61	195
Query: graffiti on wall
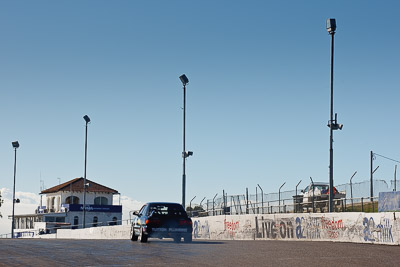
201	230
331	227
231	227
377	232
308	228
281	229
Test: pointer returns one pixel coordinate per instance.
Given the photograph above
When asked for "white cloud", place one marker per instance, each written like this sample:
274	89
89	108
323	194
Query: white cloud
128	205
28	204
30	201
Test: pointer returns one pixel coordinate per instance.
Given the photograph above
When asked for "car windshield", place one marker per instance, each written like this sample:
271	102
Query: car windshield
167	209
321	187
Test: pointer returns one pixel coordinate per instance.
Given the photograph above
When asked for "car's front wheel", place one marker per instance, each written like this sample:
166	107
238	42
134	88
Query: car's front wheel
142	237
133	236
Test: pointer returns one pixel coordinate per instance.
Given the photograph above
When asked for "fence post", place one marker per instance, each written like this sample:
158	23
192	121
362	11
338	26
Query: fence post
345	204
247	200
262	199
362	204
214	204
373	205
258	209
223	201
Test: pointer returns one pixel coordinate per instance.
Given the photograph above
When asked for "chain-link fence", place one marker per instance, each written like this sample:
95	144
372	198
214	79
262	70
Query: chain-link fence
356	197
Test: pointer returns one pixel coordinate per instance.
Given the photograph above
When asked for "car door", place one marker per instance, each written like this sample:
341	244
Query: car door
140	218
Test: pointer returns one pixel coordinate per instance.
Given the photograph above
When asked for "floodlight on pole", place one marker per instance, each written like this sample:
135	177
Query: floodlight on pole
87	120
331	25
15	145
184	79
332	124
185	154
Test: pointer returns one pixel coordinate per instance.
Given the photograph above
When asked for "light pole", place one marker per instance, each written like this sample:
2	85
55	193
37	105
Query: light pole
332	124
15	146
87	120
185	153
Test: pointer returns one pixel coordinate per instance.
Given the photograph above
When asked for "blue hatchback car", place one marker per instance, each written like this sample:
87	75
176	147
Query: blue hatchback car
161	220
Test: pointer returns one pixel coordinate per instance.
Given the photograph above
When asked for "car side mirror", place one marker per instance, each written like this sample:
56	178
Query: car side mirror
135	213
302	191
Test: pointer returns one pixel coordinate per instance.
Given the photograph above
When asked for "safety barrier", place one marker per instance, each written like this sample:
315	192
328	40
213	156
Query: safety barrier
377	228
51	232
356	227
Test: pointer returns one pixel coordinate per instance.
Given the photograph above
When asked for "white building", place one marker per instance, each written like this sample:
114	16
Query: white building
62	207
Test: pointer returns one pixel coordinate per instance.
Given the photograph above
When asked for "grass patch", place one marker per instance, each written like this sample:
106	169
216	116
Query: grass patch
367	206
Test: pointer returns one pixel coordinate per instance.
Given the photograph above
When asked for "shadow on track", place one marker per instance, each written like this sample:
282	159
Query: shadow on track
195	242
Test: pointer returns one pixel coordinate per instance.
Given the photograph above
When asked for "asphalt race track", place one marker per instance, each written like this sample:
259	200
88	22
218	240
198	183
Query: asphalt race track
58	252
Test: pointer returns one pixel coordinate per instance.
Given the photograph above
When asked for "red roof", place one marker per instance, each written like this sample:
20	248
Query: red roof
77	186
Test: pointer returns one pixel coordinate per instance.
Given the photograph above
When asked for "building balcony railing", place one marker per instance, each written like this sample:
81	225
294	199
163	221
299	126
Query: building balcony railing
79	207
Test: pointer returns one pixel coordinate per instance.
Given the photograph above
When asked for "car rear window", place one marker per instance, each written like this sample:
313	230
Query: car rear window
167	209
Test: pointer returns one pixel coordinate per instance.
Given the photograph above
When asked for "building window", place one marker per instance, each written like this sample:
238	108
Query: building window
114	221
49	219
60	219
72	200
95	220
76	222
101	201
52	200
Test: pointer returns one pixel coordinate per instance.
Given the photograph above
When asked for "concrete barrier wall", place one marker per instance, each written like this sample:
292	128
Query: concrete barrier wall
379	228
104	232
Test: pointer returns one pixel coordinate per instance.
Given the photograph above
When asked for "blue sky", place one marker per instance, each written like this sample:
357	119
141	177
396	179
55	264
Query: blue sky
257	101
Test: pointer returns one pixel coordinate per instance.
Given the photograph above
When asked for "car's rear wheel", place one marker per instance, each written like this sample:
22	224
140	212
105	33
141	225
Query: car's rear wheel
142	237
133	236
177	239
187	238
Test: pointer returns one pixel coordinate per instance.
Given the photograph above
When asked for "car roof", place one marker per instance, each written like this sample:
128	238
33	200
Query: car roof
163	203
